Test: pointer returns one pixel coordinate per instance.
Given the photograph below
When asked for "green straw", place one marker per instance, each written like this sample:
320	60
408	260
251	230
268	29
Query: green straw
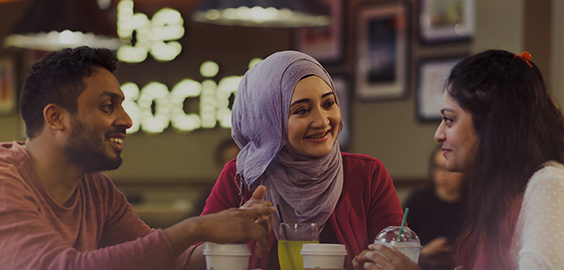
403	223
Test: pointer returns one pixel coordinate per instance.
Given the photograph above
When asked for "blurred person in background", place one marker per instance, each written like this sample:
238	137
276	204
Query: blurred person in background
436	213
225	151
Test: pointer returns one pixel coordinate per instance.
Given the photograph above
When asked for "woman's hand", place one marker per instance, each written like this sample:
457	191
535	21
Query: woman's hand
267	221
382	257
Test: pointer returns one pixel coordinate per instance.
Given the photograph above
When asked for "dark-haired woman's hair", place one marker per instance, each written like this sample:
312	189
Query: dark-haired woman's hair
520	127
58	79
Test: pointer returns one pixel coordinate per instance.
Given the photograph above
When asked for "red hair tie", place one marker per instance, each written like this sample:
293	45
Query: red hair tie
526	57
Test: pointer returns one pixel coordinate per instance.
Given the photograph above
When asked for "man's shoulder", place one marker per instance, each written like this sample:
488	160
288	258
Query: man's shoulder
14	167
11	151
13	155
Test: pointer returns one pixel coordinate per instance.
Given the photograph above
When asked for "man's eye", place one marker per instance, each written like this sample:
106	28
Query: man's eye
108	108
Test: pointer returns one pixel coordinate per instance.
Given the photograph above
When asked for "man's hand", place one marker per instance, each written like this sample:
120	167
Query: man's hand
229	226
266	221
257	200
234	225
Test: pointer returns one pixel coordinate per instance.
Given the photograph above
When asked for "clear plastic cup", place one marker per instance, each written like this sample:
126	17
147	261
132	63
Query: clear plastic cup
409	243
291	237
227	256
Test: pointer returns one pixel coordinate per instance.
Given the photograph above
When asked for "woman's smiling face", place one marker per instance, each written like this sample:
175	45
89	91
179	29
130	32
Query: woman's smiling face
458	136
314	117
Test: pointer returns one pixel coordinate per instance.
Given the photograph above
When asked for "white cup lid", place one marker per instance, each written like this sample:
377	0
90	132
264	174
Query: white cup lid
226	249
323	249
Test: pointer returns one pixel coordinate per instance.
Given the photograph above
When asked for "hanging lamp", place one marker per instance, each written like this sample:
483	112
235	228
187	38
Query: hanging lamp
264	13
51	25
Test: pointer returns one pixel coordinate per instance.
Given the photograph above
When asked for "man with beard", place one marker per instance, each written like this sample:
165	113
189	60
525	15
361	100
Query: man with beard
58	211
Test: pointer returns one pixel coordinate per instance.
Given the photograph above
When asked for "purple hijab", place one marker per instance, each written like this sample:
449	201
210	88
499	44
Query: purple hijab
306	189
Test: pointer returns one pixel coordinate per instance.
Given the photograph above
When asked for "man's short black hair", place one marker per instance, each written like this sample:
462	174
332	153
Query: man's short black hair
58	79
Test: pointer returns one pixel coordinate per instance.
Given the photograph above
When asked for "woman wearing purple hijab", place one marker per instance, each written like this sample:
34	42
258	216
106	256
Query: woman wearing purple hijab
286	120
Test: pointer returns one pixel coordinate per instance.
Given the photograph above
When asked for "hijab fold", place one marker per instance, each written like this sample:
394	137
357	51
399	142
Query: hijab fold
304	188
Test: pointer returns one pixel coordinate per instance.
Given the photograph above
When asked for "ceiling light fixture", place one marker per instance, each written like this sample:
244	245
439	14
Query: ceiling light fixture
264	13
51	25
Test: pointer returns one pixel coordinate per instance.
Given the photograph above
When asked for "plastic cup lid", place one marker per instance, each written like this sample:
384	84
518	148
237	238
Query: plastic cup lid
390	235
226	249
323	249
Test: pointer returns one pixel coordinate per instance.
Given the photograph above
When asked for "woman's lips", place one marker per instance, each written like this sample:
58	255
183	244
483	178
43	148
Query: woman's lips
319	137
446	151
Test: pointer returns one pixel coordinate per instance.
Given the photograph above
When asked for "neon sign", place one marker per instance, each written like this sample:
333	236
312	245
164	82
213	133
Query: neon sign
156	36
169	105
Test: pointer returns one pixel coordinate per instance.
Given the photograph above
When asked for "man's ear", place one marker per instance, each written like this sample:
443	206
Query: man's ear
55	116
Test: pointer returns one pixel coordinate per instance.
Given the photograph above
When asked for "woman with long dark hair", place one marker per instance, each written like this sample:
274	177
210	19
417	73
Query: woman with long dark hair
501	125
516	163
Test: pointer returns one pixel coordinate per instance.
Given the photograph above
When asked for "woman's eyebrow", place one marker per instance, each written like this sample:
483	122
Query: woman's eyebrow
300	101
307	99
446	110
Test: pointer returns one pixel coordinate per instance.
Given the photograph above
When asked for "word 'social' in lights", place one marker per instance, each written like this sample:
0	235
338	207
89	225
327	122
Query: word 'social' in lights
156	36
169	105
151	35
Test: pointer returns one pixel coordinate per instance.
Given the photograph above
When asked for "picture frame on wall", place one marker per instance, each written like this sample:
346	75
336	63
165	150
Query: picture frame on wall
325	44
446	20
8	93
431	83
381	64
343	89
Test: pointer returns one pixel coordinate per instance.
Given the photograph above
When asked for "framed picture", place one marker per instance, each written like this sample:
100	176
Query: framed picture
446	20
7	85
324	43
342	86
431	85
381	64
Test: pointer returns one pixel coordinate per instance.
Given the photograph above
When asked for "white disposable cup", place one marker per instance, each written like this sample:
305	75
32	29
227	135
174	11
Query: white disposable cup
227	256
324	256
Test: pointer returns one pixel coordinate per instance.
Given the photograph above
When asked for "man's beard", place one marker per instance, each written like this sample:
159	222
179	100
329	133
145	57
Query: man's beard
85	150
